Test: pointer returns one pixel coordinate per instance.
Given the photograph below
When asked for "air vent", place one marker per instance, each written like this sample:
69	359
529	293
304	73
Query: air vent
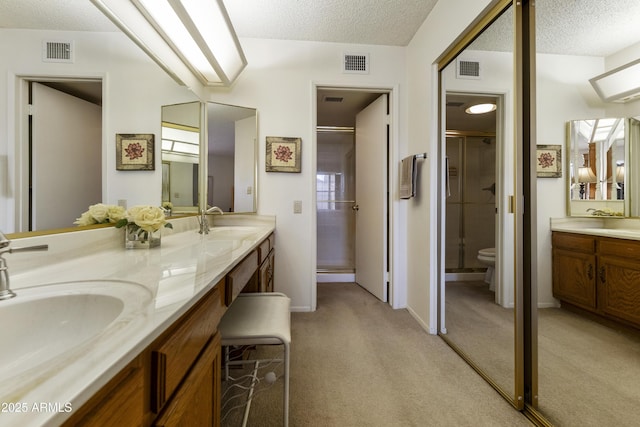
455	104
356	63
467	69
333	99
57	51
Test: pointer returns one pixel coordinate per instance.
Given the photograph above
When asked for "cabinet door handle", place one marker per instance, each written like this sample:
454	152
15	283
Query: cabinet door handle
590	271
603	275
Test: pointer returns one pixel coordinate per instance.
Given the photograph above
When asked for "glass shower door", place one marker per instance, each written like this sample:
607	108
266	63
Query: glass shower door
335	195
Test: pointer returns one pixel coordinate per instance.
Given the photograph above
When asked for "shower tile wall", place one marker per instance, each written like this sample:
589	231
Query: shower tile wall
470	220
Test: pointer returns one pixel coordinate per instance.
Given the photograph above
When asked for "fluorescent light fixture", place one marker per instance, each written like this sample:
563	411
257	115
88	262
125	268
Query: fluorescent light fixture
194	36
176	140
481	108
620	84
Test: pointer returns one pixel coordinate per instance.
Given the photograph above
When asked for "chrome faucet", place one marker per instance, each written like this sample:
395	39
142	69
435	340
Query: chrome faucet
204	224
5	290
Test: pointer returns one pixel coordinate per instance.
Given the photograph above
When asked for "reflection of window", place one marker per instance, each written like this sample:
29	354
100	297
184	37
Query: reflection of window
180	140
328	189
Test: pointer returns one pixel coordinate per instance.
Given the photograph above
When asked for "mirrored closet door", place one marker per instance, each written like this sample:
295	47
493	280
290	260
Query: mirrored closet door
478	287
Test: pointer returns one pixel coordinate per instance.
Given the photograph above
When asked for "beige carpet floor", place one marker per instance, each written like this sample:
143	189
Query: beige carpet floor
357	362
589	373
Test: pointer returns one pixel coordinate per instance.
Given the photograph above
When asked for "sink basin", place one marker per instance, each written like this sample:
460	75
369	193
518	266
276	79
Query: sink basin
233	232
225	239
44	322
216	247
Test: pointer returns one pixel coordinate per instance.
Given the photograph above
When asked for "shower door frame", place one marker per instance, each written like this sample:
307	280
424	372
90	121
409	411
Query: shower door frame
345	274
479	134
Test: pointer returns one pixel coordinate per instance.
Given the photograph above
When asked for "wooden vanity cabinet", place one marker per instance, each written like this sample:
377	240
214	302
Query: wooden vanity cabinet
185	360
574	269
599	274
619	279
197	401
119	403
267	264
176	380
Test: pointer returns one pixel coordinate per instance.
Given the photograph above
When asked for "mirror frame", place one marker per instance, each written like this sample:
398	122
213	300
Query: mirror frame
203	159
598	205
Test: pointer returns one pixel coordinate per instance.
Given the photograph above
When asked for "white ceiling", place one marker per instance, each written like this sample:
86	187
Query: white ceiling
580	27
565	26
380	22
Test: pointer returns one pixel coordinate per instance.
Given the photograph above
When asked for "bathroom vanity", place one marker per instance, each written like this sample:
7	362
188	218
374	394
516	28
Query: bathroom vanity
597	270
161	364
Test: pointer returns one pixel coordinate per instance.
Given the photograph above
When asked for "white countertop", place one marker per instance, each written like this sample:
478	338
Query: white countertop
176	276
604	227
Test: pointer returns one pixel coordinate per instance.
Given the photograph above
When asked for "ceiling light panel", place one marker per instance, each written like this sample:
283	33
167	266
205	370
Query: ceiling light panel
621	84
196	33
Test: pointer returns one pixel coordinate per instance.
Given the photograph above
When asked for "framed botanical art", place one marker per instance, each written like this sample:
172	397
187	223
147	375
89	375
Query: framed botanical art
549	161
283	154
135	151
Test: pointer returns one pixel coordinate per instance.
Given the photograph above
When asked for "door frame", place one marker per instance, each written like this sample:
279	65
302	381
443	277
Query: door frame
397	292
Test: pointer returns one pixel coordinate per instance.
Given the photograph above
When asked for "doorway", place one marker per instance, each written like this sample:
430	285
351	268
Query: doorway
61	151
352	127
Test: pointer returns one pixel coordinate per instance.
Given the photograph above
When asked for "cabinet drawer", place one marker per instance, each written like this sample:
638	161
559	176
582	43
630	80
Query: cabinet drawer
238	278
619	247
172	359
574	242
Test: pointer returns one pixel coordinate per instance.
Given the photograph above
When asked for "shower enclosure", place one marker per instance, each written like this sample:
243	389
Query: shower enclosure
471	202
335	195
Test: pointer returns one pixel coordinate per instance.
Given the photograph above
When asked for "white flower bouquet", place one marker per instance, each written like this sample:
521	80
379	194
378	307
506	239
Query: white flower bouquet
143	221
101	214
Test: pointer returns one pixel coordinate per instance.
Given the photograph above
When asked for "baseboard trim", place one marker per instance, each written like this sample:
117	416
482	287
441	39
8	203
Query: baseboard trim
335	277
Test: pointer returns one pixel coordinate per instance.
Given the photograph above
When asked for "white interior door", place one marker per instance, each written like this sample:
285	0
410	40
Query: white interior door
66	167
371	197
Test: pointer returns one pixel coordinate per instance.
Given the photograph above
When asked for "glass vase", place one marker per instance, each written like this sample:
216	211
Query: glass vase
137	238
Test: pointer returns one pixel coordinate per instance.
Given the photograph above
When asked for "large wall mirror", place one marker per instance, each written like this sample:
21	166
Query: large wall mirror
478	314
225	172
596	163
181	130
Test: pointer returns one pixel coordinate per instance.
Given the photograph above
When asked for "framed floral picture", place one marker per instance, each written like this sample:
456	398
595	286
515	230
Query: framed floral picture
549	161
134	151
283	154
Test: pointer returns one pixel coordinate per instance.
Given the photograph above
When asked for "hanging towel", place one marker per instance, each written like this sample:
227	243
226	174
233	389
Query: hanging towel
408	177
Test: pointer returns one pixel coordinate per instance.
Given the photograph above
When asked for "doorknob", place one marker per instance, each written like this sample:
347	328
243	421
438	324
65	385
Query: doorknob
355	208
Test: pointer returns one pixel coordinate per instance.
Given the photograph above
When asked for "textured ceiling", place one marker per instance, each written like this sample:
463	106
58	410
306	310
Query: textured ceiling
381	22
579	27
573	27
72	15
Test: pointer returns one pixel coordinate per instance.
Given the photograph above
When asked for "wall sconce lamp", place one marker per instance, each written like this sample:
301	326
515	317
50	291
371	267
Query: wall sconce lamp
620	84
182	36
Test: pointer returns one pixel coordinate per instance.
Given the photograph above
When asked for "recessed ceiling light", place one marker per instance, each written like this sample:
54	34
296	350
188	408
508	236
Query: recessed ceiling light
480	108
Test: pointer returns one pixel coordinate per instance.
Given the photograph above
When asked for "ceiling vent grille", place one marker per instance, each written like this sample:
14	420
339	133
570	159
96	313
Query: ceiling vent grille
356	63
57	51
467	69
333	99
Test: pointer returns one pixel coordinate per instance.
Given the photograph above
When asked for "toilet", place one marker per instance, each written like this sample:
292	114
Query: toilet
487	257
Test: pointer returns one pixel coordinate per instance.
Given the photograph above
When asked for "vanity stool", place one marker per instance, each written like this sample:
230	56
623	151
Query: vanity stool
261	318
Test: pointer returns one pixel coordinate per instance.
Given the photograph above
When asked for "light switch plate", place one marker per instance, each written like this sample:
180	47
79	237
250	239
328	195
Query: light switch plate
297	206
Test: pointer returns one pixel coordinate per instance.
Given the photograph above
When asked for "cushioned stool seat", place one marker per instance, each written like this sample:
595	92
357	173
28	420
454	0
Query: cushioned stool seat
258	319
